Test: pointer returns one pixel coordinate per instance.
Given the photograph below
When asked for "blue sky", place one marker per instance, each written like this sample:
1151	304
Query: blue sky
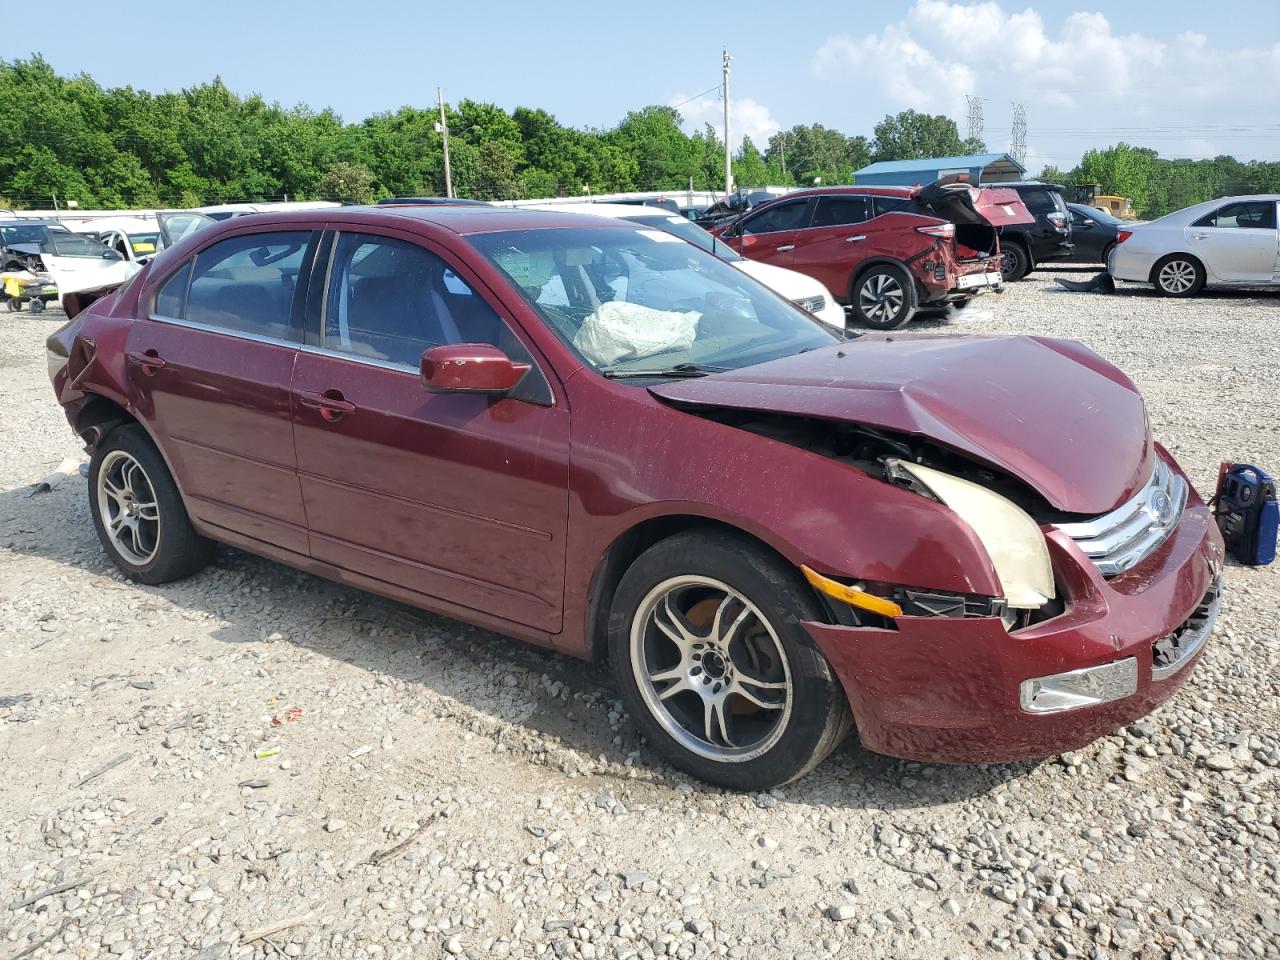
1161	73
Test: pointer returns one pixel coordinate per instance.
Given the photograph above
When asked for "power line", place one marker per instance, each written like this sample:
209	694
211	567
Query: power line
697	96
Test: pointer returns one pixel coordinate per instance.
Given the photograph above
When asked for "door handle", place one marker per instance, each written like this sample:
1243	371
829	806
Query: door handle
149	362
1199	236
785	247
855	239
331	404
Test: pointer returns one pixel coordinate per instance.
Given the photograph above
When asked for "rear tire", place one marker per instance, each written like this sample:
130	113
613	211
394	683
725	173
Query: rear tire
884	297
711	660
1178	275
138	512
1015	262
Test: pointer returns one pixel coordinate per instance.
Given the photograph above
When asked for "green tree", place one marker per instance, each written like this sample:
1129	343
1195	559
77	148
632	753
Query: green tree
347	183
914	136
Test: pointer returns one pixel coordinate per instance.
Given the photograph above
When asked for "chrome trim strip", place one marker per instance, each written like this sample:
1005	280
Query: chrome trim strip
1196	636
356	358
237	334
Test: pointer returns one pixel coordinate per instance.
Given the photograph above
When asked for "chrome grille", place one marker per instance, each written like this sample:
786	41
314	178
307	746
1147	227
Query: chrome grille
1126	536
812	304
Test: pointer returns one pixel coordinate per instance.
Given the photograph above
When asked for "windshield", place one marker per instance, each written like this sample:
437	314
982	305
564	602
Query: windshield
26	233
144	243
641	299
690	231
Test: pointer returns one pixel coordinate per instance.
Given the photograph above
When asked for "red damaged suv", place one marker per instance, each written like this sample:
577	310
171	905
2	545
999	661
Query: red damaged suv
599	438
886	251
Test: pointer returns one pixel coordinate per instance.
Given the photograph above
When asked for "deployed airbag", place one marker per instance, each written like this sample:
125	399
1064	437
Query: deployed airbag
617	331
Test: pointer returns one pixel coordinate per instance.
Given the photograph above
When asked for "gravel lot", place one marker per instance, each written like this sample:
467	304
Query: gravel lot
435	790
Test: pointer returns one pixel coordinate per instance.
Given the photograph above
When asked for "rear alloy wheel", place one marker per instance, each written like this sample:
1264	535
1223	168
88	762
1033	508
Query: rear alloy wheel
884	298
138	512
1015	262
1178	275
711	659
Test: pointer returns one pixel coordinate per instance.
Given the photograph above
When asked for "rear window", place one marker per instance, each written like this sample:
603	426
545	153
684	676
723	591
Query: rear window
1042	201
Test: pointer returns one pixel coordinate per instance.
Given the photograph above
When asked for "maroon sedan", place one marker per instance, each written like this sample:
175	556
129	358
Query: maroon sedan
596	437
886	251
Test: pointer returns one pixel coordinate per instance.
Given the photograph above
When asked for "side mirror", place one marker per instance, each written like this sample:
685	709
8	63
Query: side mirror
111	255
470	368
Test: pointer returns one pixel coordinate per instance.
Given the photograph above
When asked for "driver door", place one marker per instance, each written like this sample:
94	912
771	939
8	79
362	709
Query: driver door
461	497
769	235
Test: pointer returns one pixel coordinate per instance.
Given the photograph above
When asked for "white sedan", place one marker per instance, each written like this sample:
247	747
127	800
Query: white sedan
804	291
1231	241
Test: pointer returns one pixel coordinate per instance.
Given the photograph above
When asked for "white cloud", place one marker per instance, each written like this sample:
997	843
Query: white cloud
747	117
1084	83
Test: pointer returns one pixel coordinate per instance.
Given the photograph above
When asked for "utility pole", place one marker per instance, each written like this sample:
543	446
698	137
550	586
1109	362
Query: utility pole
443	126
728	149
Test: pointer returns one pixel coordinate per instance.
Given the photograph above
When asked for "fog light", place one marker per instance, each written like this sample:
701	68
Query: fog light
1080	688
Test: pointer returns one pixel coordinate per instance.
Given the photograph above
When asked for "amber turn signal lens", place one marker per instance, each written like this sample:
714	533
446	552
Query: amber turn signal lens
851	595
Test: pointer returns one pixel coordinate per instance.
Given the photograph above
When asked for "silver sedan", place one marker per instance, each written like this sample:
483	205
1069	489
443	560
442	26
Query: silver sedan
1231	241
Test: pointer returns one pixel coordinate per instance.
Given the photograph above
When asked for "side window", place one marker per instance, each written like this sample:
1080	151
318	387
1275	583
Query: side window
171	300
390	300
885	205
836	211
244	284
782	216
1078	219
1247	214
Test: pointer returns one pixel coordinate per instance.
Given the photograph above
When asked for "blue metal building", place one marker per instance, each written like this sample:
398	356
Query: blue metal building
982	168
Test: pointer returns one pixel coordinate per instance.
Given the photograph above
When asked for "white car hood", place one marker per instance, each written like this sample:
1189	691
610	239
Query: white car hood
790	283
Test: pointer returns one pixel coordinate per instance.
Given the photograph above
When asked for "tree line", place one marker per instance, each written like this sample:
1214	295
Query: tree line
69	138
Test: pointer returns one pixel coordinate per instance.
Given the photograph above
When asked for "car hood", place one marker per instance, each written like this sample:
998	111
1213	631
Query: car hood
790	283
1050	412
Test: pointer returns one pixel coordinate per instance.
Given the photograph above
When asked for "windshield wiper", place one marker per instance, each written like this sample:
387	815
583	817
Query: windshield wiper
676	371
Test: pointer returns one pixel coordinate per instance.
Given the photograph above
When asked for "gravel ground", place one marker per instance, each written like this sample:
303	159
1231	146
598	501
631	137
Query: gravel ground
257	762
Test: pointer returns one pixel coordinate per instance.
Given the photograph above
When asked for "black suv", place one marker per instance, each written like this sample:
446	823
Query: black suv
1023	247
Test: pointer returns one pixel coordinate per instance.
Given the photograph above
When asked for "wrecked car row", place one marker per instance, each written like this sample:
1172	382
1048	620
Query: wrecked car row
588	434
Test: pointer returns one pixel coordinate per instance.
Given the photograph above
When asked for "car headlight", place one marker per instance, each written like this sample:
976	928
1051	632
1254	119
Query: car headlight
1012	539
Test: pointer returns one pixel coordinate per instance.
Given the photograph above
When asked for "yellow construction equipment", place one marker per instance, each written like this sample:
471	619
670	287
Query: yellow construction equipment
1091	195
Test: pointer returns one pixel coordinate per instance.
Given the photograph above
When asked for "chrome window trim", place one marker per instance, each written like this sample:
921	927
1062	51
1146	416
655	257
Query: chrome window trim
356	358
237	334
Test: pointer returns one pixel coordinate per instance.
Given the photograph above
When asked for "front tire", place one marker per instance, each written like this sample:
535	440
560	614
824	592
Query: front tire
1178	275
138	512
711	660
884	298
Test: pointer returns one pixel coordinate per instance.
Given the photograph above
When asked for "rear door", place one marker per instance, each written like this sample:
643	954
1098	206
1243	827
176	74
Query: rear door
462	497
1238	241
769	234
210	371
843	232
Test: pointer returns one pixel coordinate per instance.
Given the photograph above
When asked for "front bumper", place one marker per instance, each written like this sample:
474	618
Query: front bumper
943	689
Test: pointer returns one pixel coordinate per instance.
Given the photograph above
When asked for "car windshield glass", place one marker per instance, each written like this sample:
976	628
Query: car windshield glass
66	244
620	296
25	233
144	243
690	231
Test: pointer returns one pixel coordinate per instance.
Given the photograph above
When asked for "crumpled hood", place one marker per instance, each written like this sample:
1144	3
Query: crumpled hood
1050	412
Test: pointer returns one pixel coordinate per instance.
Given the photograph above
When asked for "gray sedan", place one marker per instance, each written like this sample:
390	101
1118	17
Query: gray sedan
1231	241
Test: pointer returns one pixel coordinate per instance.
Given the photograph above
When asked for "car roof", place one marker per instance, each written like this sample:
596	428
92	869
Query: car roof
612	210
1028	185
462	220
864	191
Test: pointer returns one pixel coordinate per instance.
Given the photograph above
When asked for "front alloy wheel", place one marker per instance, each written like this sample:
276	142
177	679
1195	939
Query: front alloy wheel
711	659
711	669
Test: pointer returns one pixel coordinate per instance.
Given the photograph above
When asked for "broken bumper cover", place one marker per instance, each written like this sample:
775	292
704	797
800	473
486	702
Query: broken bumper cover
954	690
